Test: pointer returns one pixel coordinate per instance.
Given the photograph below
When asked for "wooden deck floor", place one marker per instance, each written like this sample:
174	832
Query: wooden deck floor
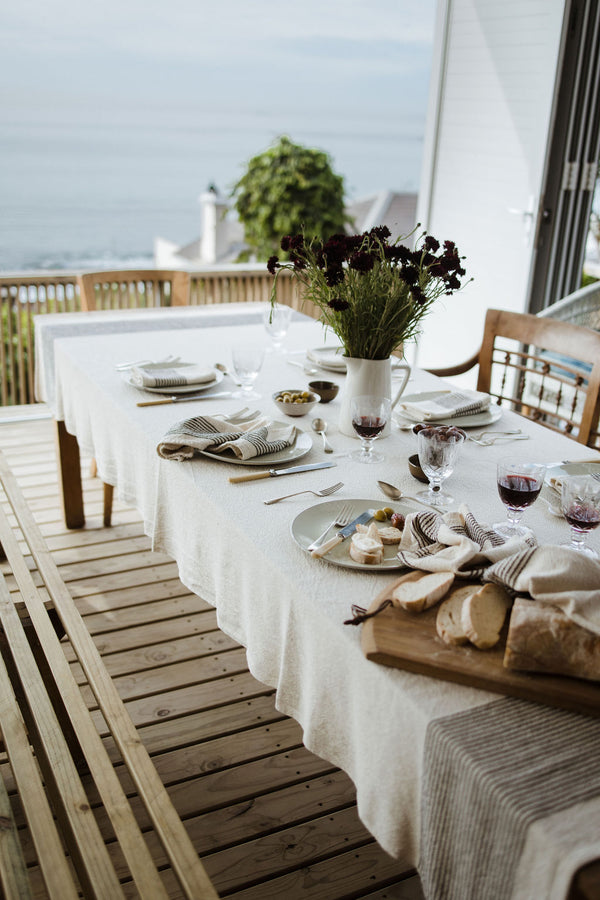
269	818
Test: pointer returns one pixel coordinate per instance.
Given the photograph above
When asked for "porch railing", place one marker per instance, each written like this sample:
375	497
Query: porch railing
23	297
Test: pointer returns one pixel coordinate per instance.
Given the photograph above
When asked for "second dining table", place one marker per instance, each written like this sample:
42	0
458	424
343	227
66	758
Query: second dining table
382	725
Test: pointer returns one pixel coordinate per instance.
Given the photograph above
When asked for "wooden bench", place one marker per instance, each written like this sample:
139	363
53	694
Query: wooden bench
67	813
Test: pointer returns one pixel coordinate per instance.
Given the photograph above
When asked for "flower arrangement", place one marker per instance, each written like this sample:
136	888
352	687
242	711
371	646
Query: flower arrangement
372	293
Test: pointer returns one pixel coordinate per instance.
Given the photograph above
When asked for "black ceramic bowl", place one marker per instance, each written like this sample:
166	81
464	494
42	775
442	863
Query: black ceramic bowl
326	390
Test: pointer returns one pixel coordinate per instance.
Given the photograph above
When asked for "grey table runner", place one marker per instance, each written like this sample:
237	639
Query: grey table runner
492	777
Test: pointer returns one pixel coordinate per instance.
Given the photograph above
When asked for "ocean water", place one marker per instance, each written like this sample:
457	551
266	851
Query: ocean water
80	189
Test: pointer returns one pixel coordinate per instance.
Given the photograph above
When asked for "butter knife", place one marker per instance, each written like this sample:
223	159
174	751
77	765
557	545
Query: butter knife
272	472
342	534
182	398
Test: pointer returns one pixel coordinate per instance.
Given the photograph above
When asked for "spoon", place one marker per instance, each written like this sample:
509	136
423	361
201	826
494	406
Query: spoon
308	369
395	493
226	371
320	426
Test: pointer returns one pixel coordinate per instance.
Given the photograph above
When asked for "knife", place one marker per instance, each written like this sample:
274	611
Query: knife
342	534
181	398
291	471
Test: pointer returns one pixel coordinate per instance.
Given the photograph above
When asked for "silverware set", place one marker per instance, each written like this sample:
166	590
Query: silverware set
489	438
325	492
344	516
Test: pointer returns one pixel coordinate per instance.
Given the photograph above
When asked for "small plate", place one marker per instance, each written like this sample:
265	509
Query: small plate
309	524
182	388
475	420
329	358
299	449
560	470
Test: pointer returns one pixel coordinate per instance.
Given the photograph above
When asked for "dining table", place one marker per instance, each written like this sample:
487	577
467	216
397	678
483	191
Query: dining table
488	794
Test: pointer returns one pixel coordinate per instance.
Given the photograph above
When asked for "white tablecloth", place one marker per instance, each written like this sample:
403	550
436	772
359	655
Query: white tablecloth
285	607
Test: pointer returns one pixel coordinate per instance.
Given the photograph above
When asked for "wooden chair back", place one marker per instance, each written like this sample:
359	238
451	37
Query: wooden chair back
133	289
545	369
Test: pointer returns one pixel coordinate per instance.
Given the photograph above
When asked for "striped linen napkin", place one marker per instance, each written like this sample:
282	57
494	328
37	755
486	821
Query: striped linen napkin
247	435
170	376
447	405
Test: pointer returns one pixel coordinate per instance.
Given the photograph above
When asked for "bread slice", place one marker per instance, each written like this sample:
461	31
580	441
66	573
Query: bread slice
448	623
415	596
390	535
366	549
483	615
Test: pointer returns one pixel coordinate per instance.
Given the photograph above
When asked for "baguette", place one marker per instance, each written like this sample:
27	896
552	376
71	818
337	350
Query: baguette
366	550
448	623
483	615
415	596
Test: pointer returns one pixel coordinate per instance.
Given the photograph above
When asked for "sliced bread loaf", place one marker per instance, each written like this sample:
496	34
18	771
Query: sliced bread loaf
448	623
415	596
483	615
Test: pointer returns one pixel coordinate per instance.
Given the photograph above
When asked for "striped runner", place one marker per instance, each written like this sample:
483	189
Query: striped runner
500	784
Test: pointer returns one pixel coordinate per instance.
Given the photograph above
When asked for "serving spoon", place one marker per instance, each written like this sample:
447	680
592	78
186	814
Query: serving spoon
320	426
395	493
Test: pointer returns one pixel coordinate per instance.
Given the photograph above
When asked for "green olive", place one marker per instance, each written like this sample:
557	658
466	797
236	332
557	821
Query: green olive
389	512
380	515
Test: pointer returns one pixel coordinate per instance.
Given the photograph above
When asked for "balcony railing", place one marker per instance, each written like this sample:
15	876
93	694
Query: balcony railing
23	297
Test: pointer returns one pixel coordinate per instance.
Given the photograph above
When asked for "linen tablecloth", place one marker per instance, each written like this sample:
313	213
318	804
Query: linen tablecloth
284	606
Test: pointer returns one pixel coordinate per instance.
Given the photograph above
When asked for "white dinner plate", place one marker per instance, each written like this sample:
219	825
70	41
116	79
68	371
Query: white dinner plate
329	358
560	470
309	524
182	388
476	420
299	449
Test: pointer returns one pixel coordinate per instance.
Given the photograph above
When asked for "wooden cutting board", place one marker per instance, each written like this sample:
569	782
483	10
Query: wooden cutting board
409	641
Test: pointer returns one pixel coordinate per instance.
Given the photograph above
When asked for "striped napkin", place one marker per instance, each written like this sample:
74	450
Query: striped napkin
447	405
247	435
170	376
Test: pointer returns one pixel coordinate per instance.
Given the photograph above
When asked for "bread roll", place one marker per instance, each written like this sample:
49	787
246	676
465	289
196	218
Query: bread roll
448	623
483	615
542	639
415	596
365	549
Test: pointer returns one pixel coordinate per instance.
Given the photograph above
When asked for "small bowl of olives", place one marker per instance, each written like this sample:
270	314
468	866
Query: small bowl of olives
295	402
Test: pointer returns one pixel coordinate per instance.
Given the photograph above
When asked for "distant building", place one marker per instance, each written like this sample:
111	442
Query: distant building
222	235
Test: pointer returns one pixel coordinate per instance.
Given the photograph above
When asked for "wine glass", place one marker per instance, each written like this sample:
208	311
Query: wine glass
581	507
247	362
439	446
519	485
276	320
370	415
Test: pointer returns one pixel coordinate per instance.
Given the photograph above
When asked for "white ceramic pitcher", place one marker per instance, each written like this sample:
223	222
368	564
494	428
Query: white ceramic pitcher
369	376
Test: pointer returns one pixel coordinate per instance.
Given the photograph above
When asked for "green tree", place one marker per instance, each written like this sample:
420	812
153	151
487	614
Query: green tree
286	189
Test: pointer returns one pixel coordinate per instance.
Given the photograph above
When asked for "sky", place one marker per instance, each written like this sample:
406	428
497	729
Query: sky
207	85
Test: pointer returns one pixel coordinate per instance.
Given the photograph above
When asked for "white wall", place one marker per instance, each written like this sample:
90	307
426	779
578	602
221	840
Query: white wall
485	150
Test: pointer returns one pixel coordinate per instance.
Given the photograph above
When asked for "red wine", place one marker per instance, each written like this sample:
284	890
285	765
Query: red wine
368	426
582	517
518	491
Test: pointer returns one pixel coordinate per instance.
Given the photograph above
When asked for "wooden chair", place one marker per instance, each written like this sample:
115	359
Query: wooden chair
134	289
131	289
543	368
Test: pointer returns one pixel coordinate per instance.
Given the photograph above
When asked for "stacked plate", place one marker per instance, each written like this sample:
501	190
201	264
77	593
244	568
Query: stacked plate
329	358
476	419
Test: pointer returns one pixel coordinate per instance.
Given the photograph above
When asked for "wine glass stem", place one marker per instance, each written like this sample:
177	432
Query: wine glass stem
577	539
366	447
514	516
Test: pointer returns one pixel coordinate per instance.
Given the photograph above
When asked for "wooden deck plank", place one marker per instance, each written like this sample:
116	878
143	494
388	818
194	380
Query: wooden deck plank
270	818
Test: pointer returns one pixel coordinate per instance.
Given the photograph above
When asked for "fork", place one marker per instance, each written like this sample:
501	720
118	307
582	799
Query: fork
344	517
325	492
498	436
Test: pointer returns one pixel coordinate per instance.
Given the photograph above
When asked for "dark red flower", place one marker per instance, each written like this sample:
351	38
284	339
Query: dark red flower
334	275
272	264
431	243
337	304
361	261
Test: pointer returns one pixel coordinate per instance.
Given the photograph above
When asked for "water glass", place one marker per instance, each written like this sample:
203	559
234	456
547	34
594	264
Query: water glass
580	496
439	447
519	484
370	415
276	320
247	362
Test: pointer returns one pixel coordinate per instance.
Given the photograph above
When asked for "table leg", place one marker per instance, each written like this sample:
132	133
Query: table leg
69	468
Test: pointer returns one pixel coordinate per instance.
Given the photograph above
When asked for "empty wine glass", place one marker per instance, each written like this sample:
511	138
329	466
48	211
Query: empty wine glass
581	508
370	415
247	362
519	485
439	446
276	320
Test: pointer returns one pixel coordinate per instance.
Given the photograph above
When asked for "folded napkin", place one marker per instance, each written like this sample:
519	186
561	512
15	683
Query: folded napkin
331	357
447	406
246	435
454	542
556	575
169	376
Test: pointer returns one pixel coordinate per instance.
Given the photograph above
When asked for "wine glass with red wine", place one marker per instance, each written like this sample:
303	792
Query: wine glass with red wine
370	415
519	485
581	509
